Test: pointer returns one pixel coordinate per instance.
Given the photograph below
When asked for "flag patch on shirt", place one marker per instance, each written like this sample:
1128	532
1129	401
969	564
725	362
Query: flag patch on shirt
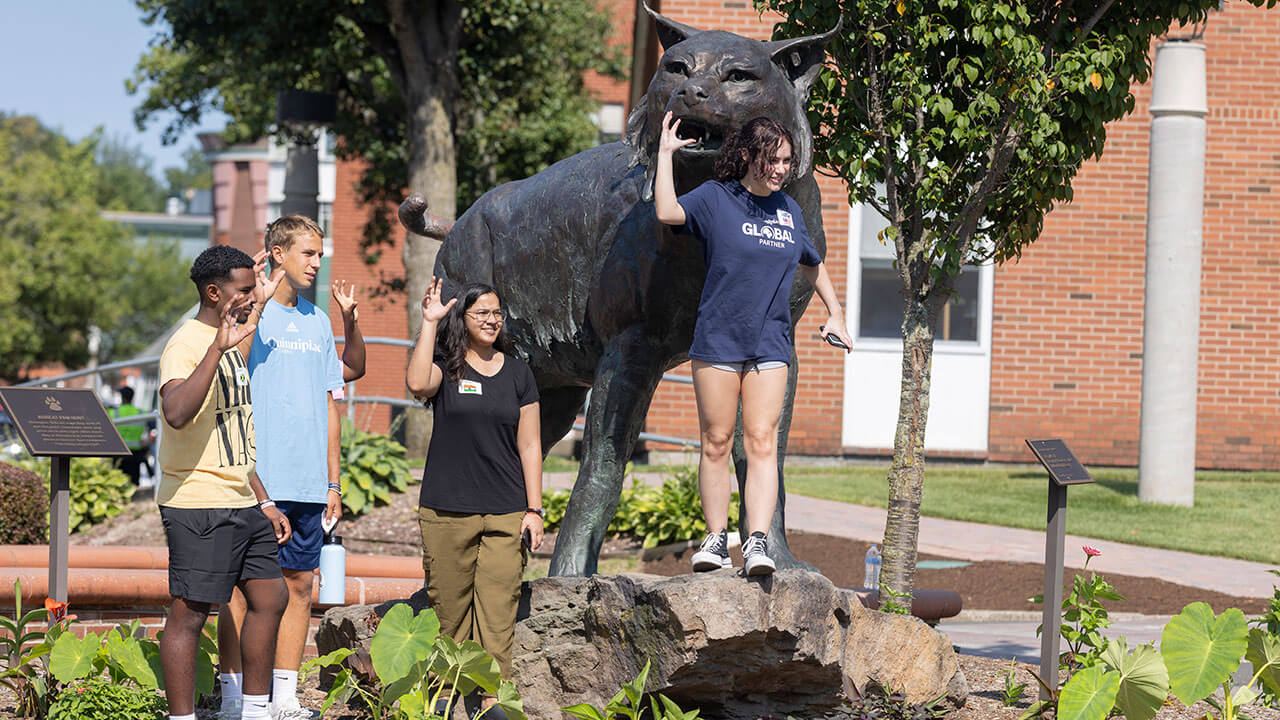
469	387
784	219
242	376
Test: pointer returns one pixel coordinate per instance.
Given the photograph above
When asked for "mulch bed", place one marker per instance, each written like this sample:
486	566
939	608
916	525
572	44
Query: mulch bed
985	585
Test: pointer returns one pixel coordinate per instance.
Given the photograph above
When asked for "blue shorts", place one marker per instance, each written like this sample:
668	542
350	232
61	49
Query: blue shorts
302	552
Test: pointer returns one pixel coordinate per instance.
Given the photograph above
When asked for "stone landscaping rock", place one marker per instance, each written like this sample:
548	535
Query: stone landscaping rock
733	647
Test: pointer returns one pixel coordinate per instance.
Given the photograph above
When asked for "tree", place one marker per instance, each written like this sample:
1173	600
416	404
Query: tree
125	181
963	122
64	269
58	258
418	83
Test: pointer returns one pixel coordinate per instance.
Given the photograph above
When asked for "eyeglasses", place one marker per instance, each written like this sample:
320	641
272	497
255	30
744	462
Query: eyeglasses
483	315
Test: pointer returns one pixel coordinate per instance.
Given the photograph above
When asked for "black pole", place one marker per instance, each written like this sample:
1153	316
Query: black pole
59	519
1055	537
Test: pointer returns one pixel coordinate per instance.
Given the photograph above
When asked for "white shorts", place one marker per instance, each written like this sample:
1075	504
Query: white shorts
747	366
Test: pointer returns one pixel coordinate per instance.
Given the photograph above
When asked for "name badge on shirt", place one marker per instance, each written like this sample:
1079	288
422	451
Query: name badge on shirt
242	376
784	219
469	387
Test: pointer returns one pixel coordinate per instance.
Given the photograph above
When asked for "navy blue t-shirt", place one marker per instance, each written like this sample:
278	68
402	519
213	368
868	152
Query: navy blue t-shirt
751	246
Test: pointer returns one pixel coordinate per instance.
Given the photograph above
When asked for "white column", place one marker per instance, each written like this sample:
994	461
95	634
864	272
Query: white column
1171	308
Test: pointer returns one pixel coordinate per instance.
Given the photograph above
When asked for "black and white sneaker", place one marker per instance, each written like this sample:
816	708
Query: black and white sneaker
755	553
714	553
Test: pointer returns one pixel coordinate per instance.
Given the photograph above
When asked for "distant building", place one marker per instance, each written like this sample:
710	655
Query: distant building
187	224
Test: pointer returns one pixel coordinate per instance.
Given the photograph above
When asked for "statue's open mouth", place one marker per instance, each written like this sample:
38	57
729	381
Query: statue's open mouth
706	139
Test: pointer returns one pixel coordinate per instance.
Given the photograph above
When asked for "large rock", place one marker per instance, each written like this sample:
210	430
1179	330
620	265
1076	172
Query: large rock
734	647
789	644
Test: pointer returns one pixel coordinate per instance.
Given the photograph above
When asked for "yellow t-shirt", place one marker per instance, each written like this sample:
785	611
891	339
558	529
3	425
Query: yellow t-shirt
208	463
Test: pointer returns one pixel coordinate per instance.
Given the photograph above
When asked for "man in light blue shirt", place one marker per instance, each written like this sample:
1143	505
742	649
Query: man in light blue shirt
295	378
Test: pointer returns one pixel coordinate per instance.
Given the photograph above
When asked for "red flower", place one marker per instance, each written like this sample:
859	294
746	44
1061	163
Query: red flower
57	611
1092	551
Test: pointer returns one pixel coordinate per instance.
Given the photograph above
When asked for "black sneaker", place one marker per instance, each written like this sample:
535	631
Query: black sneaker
714	553
755	554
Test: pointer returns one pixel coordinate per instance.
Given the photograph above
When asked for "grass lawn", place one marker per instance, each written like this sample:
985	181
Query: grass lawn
1231	517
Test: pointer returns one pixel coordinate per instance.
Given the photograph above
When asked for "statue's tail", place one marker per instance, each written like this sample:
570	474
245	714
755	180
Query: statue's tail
413	215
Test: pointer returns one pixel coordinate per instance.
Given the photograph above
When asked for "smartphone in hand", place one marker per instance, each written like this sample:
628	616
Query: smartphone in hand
526	539
832	340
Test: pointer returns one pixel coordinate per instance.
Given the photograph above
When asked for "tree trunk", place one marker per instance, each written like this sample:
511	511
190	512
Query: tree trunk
428	43
906	477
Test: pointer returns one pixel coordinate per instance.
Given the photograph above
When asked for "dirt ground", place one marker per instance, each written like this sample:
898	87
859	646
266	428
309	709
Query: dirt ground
984	585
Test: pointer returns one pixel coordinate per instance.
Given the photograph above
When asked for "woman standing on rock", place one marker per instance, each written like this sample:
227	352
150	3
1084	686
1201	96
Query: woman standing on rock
482	485
753	238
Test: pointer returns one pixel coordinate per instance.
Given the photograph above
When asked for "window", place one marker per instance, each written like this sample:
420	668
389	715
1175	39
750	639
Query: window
611	120
325	219
880	307
880	297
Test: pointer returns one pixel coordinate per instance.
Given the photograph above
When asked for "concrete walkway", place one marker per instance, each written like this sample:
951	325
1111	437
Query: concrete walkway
977	542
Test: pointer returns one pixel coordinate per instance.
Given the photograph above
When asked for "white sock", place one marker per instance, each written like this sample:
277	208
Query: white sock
284	689
256	707
191	716
232	687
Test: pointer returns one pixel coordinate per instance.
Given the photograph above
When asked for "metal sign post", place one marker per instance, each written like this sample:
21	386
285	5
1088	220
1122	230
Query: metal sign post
61	423
1064	471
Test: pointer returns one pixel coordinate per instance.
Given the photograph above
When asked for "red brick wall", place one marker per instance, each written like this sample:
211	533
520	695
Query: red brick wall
383	316
1068	318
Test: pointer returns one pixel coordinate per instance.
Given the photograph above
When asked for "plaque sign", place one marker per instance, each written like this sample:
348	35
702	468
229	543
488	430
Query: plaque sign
1062	465
66	422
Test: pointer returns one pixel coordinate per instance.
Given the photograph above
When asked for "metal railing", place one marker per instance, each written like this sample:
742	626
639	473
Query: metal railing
351	399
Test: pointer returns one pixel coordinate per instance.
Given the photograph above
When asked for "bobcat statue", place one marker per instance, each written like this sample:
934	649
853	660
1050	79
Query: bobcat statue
598	294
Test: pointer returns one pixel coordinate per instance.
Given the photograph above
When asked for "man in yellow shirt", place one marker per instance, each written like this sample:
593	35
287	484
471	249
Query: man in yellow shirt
221	528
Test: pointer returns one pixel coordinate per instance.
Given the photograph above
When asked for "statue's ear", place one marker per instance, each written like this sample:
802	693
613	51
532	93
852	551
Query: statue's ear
801	58
670	32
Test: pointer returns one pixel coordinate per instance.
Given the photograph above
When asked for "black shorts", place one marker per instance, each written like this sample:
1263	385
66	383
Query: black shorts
213	549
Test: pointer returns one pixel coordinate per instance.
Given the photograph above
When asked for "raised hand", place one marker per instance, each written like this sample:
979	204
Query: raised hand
432	310
230	329
345	295
670	141
264	286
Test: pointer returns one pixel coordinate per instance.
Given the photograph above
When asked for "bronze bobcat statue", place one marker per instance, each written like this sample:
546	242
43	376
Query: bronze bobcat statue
599	295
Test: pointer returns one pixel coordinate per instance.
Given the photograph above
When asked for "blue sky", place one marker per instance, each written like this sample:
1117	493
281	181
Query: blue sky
65	62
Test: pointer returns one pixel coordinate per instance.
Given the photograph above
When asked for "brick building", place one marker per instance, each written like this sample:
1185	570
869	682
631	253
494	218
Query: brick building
1048	346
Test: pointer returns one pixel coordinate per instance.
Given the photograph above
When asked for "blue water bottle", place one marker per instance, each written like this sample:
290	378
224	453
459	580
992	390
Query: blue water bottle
333	571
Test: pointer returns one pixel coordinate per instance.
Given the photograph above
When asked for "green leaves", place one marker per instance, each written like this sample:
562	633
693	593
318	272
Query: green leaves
1144	682
1264	655
73	658
1089	694
372	467
1202	651
401	641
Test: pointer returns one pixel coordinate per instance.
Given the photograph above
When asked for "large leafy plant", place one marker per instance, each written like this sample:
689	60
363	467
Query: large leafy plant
658	515
1083	618
99	491
101	699
373	467
23	648
629	703
417	671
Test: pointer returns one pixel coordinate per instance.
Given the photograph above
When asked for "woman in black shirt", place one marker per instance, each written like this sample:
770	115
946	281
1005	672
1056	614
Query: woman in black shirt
482	485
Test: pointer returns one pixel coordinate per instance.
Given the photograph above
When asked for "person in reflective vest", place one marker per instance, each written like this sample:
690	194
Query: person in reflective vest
135	437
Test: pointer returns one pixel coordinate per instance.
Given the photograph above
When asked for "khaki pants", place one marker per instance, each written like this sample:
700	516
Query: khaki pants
473	565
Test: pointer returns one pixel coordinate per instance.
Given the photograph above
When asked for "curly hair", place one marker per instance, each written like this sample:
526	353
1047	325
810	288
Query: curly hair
215	265
750	147
451	336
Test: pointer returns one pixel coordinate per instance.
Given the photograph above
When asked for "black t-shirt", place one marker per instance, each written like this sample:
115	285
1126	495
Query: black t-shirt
473	462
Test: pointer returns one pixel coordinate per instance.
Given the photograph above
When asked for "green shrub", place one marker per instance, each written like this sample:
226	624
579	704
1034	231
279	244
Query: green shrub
659	515
373	467
98	490
100	699
25	510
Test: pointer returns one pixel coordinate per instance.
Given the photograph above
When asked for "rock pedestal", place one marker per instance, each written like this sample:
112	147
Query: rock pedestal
787	644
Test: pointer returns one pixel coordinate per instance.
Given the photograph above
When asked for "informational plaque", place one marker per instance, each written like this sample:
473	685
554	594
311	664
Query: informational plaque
1062	465
62	422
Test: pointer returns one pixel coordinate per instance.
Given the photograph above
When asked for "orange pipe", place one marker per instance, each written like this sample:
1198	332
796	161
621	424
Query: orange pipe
117	587
136	557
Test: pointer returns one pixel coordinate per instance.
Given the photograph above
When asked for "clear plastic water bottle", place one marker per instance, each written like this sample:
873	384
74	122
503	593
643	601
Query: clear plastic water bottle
333	571
871	569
